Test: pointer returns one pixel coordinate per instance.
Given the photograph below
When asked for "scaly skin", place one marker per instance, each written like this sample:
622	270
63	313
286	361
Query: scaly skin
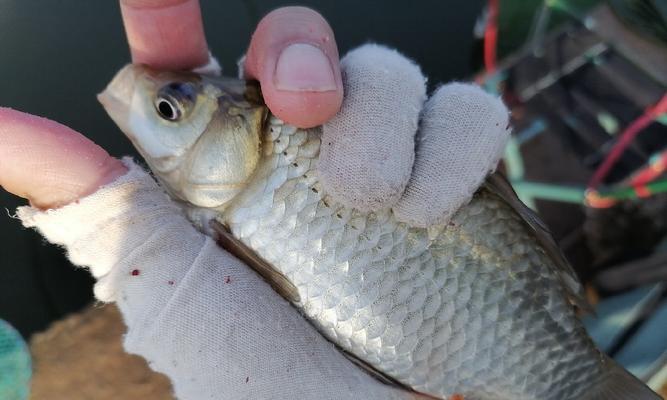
472	308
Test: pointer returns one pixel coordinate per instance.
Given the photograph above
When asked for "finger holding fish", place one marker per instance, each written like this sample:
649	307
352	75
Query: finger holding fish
165	34
294	56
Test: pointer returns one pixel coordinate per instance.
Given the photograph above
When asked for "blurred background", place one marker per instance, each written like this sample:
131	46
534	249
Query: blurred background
586	82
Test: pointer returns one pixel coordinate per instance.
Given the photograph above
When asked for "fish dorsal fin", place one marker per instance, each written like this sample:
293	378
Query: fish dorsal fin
238	249
497	184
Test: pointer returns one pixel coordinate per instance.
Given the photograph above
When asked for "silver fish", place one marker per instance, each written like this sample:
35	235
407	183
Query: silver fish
483	307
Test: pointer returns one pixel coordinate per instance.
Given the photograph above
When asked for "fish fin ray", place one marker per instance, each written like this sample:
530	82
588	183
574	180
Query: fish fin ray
619	384
238	249
381	376
497	184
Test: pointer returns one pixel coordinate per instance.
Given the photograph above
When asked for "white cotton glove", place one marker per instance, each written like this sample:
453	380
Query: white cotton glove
390	147
210	323
193	311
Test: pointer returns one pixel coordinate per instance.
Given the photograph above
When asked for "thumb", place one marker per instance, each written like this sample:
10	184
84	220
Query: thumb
294	56
49	163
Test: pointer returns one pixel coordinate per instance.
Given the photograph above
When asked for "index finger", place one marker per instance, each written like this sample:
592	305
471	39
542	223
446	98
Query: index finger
165	34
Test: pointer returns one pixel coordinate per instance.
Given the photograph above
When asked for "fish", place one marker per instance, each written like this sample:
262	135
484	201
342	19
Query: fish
483	307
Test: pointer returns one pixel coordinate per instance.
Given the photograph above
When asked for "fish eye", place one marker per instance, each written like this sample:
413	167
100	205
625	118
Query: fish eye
167	110
175	100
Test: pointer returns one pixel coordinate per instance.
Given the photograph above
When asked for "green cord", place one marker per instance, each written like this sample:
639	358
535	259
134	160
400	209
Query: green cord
631	193
513	160
546	191
577	195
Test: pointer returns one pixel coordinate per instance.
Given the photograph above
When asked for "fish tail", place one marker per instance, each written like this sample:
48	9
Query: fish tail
619	384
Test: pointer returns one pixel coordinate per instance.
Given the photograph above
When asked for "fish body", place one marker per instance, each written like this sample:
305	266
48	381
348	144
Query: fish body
472	307
479	307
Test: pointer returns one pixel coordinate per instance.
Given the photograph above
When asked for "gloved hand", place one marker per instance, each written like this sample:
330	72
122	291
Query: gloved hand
193	311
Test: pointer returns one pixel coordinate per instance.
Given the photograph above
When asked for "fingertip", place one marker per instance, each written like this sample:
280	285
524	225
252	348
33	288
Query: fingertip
165	34
304	110
49	163
293	54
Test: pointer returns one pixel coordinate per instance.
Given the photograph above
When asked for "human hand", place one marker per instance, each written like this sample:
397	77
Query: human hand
72	167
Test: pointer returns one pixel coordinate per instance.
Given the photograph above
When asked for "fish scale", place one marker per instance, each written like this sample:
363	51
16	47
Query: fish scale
444	310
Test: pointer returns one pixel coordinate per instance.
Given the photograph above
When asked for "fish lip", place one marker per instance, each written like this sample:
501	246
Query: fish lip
118	110
123	83
112	104
116	98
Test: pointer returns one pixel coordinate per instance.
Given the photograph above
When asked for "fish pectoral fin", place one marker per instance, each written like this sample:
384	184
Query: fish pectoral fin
497	184
238	249
619	384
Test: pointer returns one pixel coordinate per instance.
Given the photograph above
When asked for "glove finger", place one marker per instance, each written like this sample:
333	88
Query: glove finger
461	138
367	148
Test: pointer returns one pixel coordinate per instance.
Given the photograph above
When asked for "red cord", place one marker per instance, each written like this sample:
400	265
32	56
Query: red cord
647	174
491	36
625	139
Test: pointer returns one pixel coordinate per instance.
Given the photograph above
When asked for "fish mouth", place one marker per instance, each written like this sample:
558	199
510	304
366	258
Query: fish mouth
117	96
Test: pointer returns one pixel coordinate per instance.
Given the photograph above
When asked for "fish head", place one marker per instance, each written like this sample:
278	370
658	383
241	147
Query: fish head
200	135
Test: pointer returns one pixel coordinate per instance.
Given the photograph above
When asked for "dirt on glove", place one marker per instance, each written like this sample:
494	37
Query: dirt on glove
81	357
